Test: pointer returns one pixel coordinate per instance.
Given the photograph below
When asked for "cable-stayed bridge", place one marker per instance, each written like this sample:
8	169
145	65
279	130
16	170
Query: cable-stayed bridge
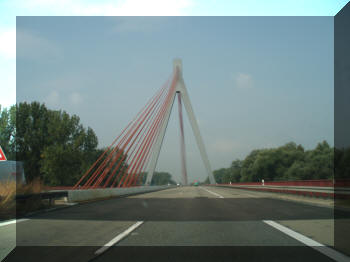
115	219
134	153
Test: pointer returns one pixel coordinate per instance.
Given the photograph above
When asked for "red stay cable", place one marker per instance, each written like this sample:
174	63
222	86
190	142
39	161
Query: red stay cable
145	160
146	156
122	170
172	89
134	123
133	159
123	158
145	143
141	124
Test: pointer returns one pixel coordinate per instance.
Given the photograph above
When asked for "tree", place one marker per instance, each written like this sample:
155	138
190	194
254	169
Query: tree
206	181
342	163
61	165
221	175
287	162
8	131
53	145
236	167
31	136
248	173
159	178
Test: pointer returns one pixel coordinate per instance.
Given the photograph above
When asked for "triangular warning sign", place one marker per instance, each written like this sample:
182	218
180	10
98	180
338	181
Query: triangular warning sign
2	155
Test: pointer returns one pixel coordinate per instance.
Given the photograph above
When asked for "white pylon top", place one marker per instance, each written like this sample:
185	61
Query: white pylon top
178	63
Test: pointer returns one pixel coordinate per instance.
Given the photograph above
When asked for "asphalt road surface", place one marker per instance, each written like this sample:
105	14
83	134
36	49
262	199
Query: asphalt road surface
181	224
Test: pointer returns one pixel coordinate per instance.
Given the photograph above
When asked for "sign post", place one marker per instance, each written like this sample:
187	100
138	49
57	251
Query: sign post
2	155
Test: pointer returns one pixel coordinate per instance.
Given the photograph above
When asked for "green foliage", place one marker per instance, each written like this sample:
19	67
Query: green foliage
69	149
162	178
236	167
53	145
8	131
287	162
342	163
31	136
221	175
159	178
57	149
117	169
206	181
61	165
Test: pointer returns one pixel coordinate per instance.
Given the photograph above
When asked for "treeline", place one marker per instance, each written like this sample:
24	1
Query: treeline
159	178
342	163
53	146
287	162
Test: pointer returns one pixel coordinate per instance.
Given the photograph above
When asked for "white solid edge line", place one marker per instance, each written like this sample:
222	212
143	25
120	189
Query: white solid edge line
118	238
13	221
329	252
216	194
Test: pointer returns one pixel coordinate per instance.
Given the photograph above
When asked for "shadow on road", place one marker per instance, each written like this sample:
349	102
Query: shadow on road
178	253
191	209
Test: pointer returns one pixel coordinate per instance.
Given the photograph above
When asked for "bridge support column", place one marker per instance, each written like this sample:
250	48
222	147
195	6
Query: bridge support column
182	142
181	90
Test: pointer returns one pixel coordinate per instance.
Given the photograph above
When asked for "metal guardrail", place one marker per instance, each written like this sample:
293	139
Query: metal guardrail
43	195
317	191
345	183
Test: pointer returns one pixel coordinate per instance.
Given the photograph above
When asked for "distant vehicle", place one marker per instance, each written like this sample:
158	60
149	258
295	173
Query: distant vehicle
178	184
196	183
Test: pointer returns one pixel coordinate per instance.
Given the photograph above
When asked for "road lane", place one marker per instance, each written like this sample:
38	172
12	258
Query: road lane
321	230
118	238
7	239
59	232
207	233
197	192
176	193
177	217
211	192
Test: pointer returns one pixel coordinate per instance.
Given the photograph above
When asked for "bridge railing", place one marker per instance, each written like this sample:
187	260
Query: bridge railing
319	188
314	183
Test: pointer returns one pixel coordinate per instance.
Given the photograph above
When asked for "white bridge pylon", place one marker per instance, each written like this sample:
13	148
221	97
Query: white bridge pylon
182	92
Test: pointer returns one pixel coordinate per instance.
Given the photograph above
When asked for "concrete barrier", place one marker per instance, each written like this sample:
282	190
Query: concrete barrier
91	194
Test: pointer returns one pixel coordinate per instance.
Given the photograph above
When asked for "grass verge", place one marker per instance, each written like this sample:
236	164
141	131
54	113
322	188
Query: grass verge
8	206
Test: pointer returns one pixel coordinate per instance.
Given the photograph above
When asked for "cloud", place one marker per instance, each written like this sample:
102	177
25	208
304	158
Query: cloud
139	24
31	45
37	46
53	99
75	98
105	8
154	7
8	43
7	82
243	80
8	66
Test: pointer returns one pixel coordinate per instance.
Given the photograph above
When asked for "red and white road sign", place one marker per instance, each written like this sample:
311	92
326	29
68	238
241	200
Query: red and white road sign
2	155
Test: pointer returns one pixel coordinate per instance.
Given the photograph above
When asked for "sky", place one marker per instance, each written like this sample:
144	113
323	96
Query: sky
253	81
9	9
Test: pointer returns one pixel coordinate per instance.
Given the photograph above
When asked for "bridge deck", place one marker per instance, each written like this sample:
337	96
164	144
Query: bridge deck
186	222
